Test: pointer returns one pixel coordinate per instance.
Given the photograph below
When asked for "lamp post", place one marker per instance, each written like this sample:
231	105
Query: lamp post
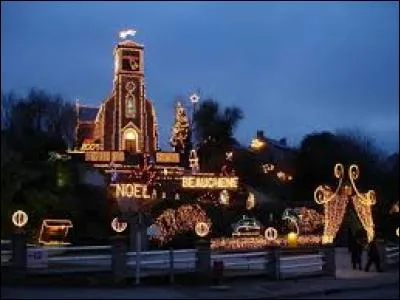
194	99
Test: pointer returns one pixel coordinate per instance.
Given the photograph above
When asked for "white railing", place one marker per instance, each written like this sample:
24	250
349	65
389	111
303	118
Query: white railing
98	258
392	255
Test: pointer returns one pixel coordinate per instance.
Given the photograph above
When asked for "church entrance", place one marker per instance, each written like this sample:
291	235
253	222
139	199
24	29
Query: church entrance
130	140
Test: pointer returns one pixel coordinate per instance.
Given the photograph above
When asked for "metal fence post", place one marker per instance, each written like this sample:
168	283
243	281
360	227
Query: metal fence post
19	253
203	259
276	258
329	266
118	257
171	265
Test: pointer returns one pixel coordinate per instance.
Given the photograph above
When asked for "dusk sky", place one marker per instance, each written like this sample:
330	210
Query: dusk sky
293	67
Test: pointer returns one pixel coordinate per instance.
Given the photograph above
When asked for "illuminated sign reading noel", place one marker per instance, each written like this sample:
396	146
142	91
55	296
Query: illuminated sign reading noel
131	190
192	182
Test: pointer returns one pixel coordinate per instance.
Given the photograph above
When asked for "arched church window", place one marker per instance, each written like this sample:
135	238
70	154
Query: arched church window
130	110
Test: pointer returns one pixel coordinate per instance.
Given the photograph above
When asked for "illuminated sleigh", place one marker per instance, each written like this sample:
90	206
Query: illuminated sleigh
54	232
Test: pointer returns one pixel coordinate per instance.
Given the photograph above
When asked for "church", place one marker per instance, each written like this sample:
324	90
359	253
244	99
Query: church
125	121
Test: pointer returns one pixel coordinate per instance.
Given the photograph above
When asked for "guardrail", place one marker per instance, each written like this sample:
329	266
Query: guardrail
392	255
277	263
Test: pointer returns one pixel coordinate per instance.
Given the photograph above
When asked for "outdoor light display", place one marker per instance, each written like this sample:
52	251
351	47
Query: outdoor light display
251	201
271	234
194	161
118	226
180	130
184	219
224	197
246	227
202	229
260	242
335	204
54	232
19	218
304	220
292	239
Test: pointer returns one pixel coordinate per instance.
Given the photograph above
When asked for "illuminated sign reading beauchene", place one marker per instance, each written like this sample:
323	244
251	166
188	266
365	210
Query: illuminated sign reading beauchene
167	157
131	190
193	182
105	156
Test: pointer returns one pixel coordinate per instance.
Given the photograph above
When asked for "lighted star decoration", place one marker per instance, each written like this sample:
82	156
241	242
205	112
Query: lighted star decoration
194	98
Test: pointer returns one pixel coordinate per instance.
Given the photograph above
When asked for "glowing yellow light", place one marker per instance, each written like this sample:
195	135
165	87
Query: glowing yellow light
224	197
292	239
257	144
250	202
195	182
19	218
397	231
271	234
118	226
54	229
202	229
128	190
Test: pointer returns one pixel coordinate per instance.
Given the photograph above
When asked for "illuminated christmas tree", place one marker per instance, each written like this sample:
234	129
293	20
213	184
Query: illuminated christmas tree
181	130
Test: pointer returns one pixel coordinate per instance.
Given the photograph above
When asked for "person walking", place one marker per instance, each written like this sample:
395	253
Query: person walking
373	256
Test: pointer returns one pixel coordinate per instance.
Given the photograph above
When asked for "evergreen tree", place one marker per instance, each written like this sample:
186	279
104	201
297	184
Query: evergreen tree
181	135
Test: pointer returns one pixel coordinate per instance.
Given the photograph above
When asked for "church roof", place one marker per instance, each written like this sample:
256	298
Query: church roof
87	114
129	43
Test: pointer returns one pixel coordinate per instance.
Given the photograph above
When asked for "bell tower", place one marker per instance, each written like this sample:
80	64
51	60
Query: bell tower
130	112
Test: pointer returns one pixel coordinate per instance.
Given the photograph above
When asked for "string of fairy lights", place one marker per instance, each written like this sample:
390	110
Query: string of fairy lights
335	203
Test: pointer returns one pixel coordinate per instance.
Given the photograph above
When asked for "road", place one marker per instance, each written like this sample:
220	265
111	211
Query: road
386	292
89	293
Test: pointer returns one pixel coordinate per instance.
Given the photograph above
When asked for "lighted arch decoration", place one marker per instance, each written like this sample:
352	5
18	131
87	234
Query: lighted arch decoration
335	203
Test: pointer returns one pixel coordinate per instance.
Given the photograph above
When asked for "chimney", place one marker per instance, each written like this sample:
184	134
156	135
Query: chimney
282	141
260	134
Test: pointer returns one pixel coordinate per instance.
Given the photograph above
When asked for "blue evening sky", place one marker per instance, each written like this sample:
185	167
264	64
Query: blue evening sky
293	67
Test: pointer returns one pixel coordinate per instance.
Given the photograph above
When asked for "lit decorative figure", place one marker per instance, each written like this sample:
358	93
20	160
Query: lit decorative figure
268	168
154	194
271	234
118	226
292	216
229	156
224	197
163	195
246	227
250	202
397	231
177	196
335	203
202	229
193	161
54	231
19	218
